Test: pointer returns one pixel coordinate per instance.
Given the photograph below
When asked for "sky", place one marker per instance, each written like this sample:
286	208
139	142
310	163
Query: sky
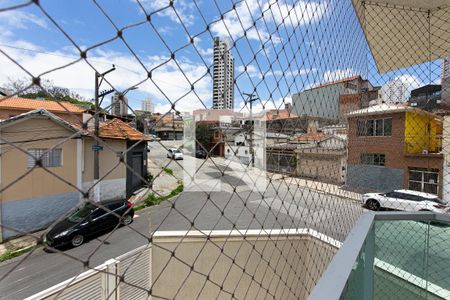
280	48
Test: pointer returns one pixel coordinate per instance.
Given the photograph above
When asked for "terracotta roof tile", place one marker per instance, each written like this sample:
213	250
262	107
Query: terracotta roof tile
32	104
118	129
279	114
337	81
312	137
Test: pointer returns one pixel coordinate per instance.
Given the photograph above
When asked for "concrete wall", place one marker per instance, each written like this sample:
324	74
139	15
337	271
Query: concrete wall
319	102
113	186
374	177
285	267
32	214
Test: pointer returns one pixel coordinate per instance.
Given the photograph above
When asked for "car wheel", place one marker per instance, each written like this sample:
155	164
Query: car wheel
77	240
373	204
127	220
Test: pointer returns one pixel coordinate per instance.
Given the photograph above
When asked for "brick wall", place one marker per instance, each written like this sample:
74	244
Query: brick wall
395	157
391	146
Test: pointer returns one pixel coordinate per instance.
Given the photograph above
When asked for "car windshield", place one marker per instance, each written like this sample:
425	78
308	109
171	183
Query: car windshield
81	213
176	151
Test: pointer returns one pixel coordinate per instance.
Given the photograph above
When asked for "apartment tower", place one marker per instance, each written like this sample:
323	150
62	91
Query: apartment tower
223	81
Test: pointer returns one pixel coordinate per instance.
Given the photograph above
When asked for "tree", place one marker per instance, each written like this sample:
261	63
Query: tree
202	135
47	90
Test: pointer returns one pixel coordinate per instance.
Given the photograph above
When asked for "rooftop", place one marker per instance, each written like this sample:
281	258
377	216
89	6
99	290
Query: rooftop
344	80
32	104
385	108
118	129
312	137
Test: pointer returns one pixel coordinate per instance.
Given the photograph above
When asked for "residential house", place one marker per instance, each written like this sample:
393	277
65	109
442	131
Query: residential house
427	97
394	146
50	187
323	158
166	127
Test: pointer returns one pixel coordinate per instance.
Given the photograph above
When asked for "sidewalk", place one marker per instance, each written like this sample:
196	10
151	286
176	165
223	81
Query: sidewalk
322	187
163	183
20	242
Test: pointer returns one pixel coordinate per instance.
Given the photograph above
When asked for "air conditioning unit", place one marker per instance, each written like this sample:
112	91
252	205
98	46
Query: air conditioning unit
424	151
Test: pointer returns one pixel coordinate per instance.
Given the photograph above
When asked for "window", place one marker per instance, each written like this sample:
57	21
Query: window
375	159
375	127
424	180
52	158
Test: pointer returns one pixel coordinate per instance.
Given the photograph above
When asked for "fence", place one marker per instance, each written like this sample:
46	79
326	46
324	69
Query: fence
139	267
94	94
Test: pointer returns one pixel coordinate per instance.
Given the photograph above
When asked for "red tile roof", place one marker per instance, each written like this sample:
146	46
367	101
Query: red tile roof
312	137
118	129
32	104
337	81
279	114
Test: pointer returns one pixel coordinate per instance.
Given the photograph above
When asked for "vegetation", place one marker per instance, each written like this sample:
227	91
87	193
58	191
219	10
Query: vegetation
168	171
48	91
153	199
14	253
203	135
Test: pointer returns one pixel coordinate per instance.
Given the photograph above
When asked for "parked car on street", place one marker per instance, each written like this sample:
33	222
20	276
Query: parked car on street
200	153
405	200
155	138
174	153
89	221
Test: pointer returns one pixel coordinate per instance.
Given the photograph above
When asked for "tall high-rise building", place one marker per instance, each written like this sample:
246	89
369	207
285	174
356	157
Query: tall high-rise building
119	104
445	93
147	105
223	80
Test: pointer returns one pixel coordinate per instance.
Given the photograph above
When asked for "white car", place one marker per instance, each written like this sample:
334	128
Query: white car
174	153
406	200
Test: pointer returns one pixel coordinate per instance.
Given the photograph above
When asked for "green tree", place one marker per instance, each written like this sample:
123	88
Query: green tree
202	135
47	90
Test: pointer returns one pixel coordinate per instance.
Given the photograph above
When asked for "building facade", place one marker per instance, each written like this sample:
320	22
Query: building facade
25	204
223	77
119	104
323	101
147	105
446	80
393	147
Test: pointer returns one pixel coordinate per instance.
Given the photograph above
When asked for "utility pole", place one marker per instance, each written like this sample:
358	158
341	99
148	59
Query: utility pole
97	147
251	98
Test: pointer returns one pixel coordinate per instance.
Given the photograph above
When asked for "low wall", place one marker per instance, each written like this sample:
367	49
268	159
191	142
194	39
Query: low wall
36	213
109	189
374	178
277	263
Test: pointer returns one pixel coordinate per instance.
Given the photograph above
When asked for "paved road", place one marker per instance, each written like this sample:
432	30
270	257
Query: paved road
221	196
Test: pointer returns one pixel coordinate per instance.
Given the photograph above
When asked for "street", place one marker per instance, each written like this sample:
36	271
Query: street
222	196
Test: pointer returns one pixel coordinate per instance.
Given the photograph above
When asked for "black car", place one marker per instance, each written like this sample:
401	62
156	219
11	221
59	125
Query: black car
89	221
201	153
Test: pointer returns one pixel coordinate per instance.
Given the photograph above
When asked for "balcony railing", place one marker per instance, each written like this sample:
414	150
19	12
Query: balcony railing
391	255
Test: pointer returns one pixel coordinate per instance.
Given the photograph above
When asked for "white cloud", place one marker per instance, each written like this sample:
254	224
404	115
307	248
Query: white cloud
302	13
169	80
268	104
240	20
184	9
251	71
292	73
399	88
18	19
338	74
